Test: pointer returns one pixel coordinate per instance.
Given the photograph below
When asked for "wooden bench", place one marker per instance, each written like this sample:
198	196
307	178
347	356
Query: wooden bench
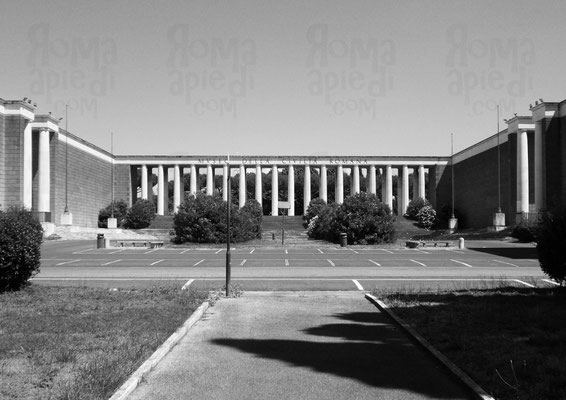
139	243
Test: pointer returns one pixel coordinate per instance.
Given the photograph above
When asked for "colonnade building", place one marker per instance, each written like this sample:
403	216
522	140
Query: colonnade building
67	180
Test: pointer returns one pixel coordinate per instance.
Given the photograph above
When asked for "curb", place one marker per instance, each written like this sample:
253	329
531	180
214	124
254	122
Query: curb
136	378
472	386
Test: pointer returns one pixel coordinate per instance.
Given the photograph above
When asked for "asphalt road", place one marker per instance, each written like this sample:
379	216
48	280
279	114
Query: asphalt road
300	268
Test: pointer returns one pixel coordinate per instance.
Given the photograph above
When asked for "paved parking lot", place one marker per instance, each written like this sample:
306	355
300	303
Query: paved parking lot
324	268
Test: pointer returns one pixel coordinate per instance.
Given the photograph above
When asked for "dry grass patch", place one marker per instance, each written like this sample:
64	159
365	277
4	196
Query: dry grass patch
82	343
511	341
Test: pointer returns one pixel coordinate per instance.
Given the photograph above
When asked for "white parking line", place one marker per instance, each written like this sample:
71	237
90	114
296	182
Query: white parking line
286	251
243	262
354	251
218	251
461	262
531	260
286	262
524	283
418	262
421	251
252	251
456	251
551	281
186	285
184	251
331	263
82	251
117	251
503	262
110	262
67	262
199	262
157	262
376	263
387	251
150	251
360	287
320	251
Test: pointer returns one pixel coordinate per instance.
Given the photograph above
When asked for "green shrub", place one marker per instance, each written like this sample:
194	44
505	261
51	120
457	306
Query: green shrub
426	217
525	231
120	210
21	236
415	206
202	219
140	215
314	208
363	218
551	241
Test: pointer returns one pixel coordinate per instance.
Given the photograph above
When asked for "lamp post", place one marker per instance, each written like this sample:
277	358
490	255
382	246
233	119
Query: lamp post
228	255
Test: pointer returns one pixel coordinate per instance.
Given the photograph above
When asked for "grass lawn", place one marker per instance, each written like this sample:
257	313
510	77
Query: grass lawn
511	341
83	343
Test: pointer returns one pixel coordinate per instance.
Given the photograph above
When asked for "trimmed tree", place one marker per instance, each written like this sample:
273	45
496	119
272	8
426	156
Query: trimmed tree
551	241
140	215
21	236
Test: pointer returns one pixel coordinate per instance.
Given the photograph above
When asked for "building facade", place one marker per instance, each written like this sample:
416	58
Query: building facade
519	171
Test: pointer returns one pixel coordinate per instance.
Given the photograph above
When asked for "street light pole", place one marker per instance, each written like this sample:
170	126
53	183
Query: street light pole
228	255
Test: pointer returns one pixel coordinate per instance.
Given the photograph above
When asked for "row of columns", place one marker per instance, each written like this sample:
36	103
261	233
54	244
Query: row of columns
44	170
387	186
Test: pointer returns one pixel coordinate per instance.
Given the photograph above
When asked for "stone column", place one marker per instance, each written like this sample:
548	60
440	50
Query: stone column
274	191
225	177
291	190
160	190
415	184
27	173
258	188
339	196
388	187
144	182
355	180
371	187
242	188
522	172
176	188
405	191
44	183
209	180
538	170
323	184
307	189
422	191
193	183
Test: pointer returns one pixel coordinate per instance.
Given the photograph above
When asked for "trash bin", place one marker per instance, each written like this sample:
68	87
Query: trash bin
343	239
100	241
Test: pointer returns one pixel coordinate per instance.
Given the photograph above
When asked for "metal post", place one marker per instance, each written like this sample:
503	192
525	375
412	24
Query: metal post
228	255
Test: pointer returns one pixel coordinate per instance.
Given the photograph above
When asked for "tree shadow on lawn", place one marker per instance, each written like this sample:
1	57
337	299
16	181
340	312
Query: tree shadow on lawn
366	347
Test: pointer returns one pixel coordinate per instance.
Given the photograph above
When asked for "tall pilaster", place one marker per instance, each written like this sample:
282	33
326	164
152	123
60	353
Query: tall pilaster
538	167
258	189
355	180
209	180
242	187
161	190
176	187
144	184
323	190
372	186
274	190
339	196
291	190
307	189
27	173
193	183
44	183
522	172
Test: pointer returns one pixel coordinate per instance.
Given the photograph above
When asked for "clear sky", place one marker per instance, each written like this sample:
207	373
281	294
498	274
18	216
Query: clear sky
283	77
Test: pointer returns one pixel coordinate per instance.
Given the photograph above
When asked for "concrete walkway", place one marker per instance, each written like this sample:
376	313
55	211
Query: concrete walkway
292	345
